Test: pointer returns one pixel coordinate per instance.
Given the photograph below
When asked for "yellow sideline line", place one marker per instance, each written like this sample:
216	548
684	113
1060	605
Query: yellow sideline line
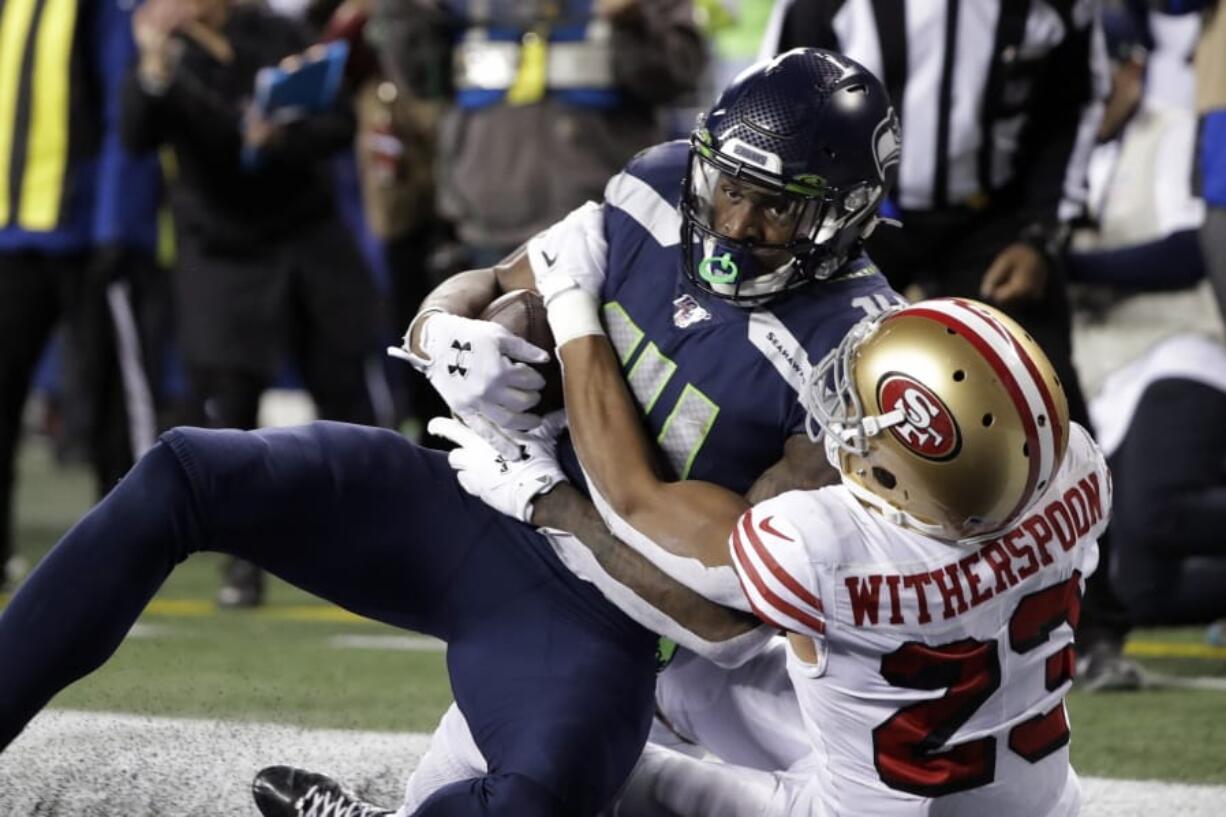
1173	649
198	608
189	608
195	608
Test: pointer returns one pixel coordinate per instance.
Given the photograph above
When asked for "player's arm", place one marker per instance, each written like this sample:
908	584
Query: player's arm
533	489
565	508
681	528
575	245
478	367
467	294
688	518
803	466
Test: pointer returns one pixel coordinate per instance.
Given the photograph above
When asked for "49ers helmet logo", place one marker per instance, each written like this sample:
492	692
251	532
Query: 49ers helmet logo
929	429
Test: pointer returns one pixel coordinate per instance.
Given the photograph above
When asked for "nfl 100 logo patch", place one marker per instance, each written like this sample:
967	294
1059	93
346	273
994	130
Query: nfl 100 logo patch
687	312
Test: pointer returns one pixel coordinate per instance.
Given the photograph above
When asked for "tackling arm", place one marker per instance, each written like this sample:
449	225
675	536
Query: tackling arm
803	467
564	508
531	488
686	518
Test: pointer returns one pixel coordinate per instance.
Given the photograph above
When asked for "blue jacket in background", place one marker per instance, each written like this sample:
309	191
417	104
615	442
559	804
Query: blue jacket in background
66	184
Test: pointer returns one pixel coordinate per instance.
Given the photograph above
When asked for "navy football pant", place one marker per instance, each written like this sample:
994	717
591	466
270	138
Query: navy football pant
556	683
1169	510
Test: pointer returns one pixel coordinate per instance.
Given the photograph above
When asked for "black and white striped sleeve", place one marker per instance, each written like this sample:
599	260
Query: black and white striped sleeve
1061	132
800	24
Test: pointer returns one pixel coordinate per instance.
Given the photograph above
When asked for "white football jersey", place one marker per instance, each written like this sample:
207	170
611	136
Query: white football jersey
942	670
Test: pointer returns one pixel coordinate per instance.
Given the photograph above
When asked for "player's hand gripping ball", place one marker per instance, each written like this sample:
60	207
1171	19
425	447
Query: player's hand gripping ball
522	313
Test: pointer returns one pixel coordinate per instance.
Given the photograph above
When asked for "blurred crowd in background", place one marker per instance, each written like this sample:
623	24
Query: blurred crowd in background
173	252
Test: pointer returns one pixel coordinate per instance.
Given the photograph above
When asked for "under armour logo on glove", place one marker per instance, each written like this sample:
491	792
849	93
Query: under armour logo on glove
484	373
458	367
507	485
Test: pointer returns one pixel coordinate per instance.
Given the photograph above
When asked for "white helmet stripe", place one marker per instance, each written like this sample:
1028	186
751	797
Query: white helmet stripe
1027	361
1032	384
1029	393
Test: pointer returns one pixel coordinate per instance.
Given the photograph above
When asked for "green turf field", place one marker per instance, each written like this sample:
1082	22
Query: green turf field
283	664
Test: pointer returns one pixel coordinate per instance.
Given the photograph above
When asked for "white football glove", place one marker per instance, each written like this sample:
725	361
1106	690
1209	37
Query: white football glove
480	370
507	485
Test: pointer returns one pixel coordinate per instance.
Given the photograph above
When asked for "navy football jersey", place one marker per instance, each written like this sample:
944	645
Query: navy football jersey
719	384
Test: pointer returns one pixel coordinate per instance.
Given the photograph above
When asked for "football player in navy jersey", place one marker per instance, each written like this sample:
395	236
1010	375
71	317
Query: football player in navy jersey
724	266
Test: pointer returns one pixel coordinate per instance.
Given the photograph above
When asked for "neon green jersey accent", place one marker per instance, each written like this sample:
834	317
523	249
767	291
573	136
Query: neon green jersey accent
689	422
728	269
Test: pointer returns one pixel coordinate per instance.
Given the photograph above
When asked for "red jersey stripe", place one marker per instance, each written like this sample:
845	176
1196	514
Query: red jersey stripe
769	596
743	570
785	578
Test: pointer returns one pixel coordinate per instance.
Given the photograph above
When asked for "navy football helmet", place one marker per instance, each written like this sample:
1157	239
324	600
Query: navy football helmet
786	173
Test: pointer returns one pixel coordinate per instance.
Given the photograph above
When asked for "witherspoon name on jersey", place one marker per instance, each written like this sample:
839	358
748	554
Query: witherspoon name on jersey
997	565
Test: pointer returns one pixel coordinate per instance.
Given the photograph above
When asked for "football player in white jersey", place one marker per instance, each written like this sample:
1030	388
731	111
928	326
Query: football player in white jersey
929	600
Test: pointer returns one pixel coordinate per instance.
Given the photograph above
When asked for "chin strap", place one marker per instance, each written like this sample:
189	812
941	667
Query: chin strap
870	427
876	221
877	423
862	430
894	515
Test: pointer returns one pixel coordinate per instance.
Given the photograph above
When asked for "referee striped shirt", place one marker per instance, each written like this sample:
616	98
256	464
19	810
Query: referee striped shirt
993	95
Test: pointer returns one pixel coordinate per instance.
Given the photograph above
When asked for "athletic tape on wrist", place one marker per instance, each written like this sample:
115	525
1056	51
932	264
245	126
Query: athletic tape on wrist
573	313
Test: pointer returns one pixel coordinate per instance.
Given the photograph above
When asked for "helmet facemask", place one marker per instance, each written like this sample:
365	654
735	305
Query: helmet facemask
832	403
807	228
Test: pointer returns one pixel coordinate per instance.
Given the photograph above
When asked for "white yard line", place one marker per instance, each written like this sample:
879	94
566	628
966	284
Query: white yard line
1148	798
409	643
1158	680
74	763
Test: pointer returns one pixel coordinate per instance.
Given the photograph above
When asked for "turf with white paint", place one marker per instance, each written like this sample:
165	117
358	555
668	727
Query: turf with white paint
98	764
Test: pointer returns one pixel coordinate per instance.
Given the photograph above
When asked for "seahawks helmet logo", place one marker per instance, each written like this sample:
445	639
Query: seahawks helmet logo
887	143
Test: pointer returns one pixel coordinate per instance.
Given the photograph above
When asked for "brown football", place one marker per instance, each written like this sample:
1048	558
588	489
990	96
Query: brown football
522	313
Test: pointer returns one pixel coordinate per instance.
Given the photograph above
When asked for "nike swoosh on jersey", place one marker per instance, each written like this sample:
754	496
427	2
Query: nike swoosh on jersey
766	527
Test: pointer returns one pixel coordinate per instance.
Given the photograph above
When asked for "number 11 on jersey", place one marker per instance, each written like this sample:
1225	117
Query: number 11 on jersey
690	420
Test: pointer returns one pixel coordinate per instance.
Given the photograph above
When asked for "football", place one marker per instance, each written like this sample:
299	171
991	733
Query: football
522	313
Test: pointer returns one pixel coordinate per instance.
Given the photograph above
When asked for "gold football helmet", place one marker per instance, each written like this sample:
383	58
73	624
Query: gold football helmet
944	415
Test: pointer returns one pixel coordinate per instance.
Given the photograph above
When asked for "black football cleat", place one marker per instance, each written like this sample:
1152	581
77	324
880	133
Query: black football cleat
242	585
281	791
